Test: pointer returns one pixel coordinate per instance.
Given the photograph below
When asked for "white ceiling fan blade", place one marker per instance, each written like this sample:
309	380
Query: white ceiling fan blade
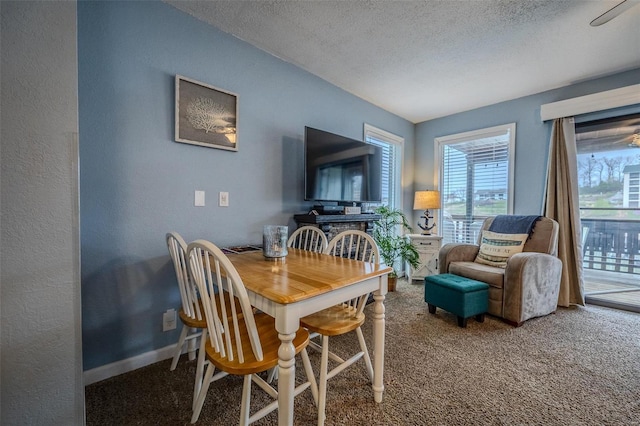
613	12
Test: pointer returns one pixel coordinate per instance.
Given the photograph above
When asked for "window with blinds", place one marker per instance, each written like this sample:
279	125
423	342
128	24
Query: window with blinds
391	154
475	180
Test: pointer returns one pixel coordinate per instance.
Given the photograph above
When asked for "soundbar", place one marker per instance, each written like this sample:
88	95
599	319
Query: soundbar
329	209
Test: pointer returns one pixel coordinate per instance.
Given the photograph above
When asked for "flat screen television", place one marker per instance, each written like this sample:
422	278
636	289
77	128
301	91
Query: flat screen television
341	169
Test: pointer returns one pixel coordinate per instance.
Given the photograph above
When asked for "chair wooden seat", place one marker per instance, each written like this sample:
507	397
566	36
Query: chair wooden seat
271	343
191	322
333	321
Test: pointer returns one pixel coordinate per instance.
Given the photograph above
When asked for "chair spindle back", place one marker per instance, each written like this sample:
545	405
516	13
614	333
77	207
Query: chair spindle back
220	286
308	238
188	291
356	245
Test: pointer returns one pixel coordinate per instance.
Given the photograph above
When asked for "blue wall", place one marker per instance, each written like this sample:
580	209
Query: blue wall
137	183
532	135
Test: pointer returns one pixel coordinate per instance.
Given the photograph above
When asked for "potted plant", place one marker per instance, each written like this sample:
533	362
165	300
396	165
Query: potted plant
394	248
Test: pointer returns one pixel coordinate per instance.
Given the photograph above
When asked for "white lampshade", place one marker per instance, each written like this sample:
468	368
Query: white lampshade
425	200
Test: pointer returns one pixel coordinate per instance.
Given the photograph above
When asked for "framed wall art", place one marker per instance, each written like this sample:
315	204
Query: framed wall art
205	115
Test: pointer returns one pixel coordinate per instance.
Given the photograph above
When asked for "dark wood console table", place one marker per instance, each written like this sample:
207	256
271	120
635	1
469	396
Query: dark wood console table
331	224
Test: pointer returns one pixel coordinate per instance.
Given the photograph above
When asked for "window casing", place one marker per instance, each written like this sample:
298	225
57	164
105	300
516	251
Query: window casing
475	176
392	146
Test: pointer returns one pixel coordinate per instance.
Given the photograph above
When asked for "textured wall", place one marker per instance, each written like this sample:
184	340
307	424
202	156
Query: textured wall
532	135
41	362
137	183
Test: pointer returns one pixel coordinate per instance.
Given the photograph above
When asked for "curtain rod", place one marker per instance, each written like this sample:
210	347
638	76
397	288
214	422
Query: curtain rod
601	101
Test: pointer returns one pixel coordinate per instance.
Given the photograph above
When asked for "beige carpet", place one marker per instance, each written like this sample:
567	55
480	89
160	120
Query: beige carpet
577	367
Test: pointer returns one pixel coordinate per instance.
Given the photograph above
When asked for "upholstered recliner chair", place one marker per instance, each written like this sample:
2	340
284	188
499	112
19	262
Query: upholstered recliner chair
527	287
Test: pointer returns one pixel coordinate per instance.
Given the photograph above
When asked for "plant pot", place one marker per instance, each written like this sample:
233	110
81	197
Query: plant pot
391	283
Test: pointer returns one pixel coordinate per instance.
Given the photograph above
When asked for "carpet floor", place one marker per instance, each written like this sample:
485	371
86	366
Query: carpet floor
579	366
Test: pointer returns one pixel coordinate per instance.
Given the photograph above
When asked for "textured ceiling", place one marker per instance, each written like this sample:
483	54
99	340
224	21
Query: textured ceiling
427	59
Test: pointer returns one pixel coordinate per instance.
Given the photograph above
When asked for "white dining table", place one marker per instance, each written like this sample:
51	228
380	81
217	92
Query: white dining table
302	283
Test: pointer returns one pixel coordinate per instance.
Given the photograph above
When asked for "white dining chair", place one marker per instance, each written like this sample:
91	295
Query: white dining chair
239	342
309	238
191	314
343	318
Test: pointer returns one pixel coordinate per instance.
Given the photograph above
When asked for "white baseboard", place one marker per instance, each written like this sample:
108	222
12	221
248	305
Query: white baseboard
126	365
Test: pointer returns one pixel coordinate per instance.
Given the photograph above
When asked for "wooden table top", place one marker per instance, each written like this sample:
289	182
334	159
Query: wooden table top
301	275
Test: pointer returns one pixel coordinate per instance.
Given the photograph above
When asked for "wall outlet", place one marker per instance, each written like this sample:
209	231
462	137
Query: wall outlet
169	320
223	199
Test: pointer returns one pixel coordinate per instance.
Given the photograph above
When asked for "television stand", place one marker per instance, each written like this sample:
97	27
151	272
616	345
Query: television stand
332	224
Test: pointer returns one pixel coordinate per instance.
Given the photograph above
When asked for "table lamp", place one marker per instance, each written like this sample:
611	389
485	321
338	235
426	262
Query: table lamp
426	200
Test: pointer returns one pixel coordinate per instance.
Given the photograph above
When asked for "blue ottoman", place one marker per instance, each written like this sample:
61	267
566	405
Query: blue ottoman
459	295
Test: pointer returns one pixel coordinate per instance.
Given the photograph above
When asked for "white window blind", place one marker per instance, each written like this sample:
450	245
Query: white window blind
391	154
476	180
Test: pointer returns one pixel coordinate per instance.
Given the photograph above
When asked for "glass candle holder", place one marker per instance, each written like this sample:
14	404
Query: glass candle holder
274	241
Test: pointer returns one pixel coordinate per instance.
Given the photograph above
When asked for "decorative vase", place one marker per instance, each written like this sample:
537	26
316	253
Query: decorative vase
391	283
274	242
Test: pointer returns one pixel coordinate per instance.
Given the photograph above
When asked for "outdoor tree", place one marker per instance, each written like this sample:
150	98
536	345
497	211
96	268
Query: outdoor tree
611	164
624	162
598	168
586	169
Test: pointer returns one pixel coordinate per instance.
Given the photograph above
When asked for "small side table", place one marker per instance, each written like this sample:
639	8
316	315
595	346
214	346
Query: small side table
428	247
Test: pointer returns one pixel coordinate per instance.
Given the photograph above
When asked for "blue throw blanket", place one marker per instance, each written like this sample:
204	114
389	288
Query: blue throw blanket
513	224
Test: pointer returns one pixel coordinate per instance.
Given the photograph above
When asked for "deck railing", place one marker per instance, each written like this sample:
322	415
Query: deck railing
608	244
611	245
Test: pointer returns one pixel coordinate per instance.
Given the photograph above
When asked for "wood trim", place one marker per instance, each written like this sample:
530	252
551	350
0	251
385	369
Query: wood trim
126	365
615	98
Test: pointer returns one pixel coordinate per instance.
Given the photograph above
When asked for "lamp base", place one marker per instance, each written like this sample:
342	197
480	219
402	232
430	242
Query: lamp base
426	229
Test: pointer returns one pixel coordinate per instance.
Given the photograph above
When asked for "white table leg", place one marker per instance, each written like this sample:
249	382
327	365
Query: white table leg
286	379
378	354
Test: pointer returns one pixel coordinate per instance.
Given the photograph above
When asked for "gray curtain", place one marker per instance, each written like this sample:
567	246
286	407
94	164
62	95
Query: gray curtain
561	204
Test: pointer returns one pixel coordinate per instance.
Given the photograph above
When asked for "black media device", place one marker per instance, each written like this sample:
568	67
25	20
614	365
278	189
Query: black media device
340	171
329	209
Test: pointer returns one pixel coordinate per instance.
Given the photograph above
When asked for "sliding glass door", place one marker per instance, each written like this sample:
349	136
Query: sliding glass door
609	188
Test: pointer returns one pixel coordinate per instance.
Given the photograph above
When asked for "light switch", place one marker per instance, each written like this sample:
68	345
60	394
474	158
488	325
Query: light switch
224	199
199	201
